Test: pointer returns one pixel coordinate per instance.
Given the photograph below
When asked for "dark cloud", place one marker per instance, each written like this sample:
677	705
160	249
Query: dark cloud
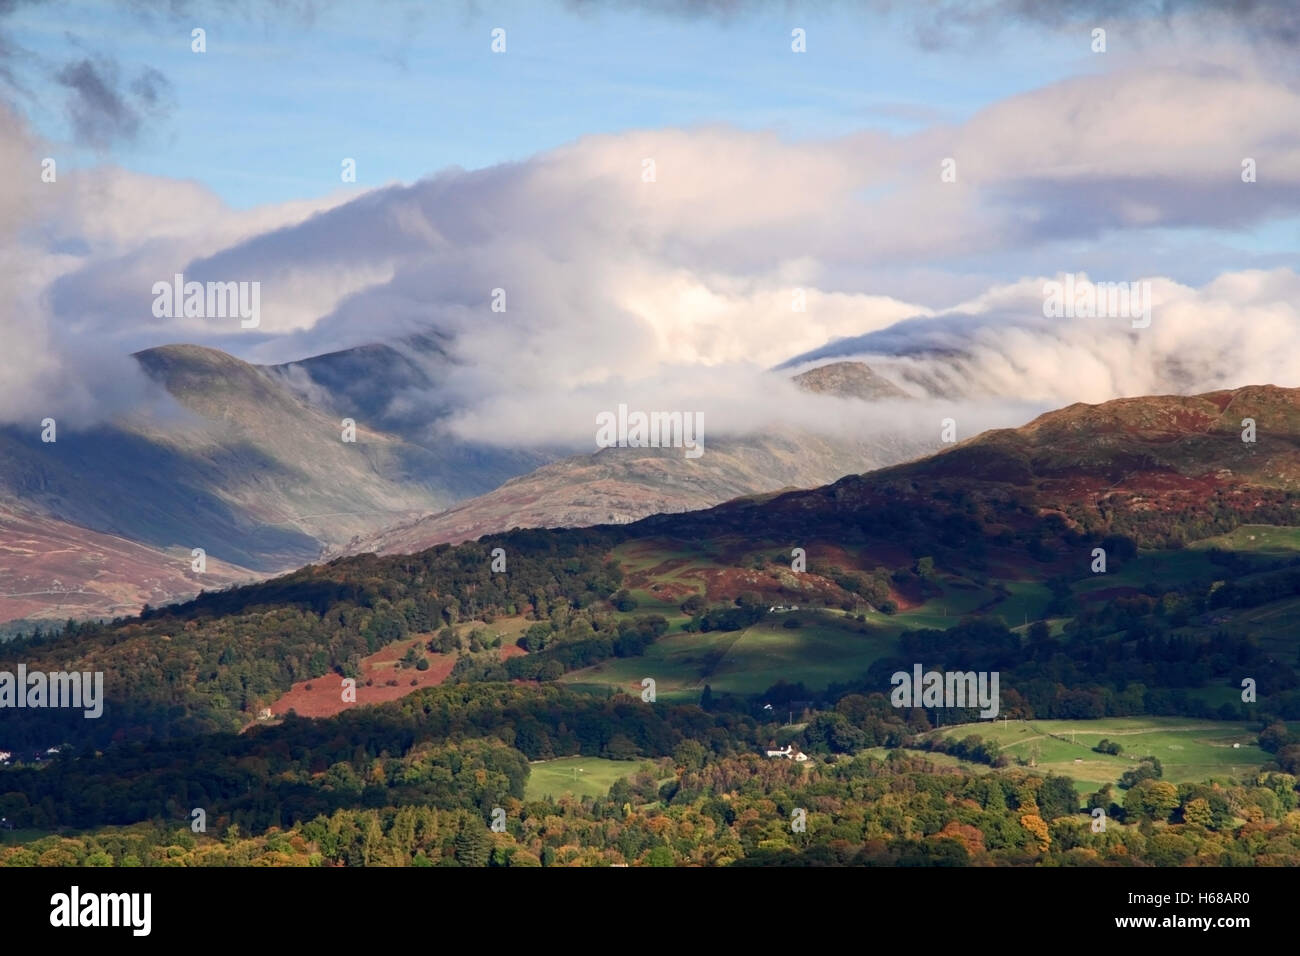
98	112
104	104
101	108
151	88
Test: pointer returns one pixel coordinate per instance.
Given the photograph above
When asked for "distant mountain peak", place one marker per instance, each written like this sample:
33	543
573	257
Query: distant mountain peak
161	357
849	380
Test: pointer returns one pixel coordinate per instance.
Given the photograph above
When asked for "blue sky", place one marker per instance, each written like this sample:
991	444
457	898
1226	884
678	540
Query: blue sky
274	105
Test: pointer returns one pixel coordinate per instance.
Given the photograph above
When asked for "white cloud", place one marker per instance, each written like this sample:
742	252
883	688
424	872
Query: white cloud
678	293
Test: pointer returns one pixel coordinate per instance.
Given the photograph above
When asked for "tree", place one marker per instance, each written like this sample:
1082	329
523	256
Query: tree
1148	769
1037	828
446	642
1057	798
551	670
660	856
536	638
1274	737
473	845
1153	799
690	754
1119	547
834	733
620	748
1198	813
1169	849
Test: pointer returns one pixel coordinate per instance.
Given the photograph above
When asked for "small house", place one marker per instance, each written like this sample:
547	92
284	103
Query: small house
789	752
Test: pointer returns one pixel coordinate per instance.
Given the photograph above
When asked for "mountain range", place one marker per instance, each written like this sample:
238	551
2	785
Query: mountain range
249	464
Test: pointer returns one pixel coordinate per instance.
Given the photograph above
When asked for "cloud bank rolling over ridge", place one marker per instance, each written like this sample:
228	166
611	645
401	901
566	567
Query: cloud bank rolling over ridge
678	293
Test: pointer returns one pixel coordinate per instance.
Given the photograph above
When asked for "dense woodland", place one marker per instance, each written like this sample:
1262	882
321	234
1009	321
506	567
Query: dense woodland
695	809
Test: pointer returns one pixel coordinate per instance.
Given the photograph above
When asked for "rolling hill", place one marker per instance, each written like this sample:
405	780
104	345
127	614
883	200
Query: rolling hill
1164	469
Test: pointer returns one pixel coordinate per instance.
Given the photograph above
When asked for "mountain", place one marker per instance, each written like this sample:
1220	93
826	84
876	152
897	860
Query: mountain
381	384
849	380
1160	442
619	485
1163	469
246	462
54	570
243	468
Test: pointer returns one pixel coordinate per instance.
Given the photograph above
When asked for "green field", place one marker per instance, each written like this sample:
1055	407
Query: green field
748	661
1189	750
1264	538
579	776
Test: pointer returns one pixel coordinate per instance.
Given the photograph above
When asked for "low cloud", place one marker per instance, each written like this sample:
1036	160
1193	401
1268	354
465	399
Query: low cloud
1241	329
745	249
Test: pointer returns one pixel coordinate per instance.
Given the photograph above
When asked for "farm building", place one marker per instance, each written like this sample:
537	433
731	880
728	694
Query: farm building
789	752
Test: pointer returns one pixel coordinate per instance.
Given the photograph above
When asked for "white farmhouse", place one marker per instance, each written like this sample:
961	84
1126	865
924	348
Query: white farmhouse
789	752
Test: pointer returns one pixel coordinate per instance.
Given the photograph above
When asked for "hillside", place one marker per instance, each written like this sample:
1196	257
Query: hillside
243	461
1164	469
621	485
53	570
1136	440
252	473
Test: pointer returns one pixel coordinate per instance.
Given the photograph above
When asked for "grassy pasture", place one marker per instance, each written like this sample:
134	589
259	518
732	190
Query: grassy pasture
742	662
579	776
1189	750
